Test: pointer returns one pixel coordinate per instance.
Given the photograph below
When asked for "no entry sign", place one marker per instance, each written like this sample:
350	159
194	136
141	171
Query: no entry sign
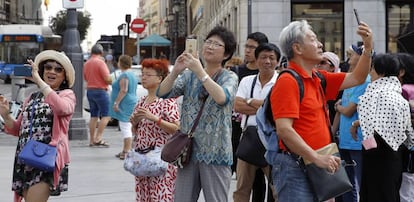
138	25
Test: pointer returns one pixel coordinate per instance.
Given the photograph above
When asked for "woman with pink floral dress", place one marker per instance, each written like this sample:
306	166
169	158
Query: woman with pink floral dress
154	120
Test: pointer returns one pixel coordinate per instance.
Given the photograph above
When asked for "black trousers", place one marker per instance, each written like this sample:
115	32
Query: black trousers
381	173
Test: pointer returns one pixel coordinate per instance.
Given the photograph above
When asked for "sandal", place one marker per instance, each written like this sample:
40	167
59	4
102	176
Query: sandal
101	143
121	155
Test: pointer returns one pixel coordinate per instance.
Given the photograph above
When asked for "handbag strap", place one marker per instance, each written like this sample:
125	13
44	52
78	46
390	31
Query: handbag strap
251	96
32	116
215	78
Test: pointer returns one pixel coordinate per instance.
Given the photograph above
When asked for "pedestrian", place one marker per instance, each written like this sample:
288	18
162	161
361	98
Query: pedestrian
259	85
211	158
249	67
123	100
154	120
97	77
406	77
109	60
51	108
351	149
303	124
385	120
330	62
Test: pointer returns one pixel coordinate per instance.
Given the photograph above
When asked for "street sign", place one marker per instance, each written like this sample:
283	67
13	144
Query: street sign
72	4
138	25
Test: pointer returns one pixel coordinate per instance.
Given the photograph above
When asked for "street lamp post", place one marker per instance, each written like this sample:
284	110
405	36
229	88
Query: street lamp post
71	47
122	27
176	11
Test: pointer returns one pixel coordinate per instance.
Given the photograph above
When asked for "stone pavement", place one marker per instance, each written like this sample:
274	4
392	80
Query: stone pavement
94	173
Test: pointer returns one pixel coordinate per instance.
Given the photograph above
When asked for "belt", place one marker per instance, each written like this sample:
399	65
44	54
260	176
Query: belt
296	157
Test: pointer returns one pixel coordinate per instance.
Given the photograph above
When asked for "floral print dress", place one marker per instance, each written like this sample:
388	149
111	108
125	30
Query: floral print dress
160	188
42	120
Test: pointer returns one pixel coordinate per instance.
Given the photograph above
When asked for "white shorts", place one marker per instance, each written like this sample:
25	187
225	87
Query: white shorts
126	130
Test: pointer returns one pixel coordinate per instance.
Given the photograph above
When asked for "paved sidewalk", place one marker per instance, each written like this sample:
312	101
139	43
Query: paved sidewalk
95	175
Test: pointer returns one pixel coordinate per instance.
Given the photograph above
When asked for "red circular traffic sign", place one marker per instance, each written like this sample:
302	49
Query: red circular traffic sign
138	25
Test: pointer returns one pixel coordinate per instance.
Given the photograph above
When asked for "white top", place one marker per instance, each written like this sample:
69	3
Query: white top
259	92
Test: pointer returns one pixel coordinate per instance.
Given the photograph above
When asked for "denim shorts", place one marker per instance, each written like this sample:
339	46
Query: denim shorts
98	102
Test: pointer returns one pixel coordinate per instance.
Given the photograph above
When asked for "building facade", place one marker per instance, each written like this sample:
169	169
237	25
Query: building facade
20	12
332	20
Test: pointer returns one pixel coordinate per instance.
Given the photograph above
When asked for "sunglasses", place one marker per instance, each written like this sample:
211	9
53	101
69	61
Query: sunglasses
323	62
57	69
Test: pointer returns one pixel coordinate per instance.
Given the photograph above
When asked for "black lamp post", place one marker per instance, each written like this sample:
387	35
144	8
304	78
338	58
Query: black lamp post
176	12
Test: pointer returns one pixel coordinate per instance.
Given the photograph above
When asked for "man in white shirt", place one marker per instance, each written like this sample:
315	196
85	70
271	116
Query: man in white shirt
267	58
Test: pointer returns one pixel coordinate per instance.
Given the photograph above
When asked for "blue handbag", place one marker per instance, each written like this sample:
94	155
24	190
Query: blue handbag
38	154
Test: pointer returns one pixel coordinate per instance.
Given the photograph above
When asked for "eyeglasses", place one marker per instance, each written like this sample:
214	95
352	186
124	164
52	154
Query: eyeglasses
246	46
212	44
323	62
57	69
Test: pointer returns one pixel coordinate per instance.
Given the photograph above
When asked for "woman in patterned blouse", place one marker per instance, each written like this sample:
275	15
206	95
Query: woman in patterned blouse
153	121
209	167
45	118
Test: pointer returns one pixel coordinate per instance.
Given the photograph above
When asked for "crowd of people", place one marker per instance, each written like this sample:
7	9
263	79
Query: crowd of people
370	112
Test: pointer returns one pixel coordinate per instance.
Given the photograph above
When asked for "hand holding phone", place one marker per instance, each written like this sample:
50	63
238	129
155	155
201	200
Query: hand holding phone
357	16
191	46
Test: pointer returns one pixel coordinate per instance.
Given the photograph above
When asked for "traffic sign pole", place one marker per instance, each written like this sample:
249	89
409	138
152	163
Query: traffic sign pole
138	26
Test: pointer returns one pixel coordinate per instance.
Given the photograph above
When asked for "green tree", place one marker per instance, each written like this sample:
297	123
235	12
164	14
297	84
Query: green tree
58	23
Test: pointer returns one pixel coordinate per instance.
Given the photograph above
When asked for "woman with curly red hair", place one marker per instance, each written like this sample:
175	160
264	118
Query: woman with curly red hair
154	120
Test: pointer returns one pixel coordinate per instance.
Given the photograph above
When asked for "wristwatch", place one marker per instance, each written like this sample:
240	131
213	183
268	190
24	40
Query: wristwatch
249	101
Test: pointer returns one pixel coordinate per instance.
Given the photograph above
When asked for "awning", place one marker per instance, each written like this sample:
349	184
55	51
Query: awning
154	40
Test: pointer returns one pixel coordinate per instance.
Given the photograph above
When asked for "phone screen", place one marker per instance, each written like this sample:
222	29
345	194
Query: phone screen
357	16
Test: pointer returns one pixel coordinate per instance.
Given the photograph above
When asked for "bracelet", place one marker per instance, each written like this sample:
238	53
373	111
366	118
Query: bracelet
159	121
204	79
369	53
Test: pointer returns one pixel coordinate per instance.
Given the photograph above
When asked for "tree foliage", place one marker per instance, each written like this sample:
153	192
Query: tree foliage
58	23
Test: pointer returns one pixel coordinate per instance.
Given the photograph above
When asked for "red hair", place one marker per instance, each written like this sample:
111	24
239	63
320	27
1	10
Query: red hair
160	66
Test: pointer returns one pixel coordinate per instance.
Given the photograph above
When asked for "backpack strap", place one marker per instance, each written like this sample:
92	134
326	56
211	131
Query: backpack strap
323	80
298	79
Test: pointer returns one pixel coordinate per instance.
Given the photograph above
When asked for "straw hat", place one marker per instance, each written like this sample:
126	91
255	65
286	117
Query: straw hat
60	58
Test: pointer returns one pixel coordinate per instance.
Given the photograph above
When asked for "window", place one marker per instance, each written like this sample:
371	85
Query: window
326	20
399	23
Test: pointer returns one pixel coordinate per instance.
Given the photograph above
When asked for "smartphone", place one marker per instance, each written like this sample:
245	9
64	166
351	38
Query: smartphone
191	46
22	70
357	16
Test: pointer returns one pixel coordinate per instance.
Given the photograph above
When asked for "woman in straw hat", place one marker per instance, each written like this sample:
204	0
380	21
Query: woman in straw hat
53	106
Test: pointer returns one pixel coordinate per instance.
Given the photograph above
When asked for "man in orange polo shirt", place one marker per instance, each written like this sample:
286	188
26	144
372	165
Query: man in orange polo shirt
303	125
96	74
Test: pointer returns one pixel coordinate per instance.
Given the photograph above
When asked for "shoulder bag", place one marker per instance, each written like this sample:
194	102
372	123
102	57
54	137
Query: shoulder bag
327	185
37	154
178	148
250	148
